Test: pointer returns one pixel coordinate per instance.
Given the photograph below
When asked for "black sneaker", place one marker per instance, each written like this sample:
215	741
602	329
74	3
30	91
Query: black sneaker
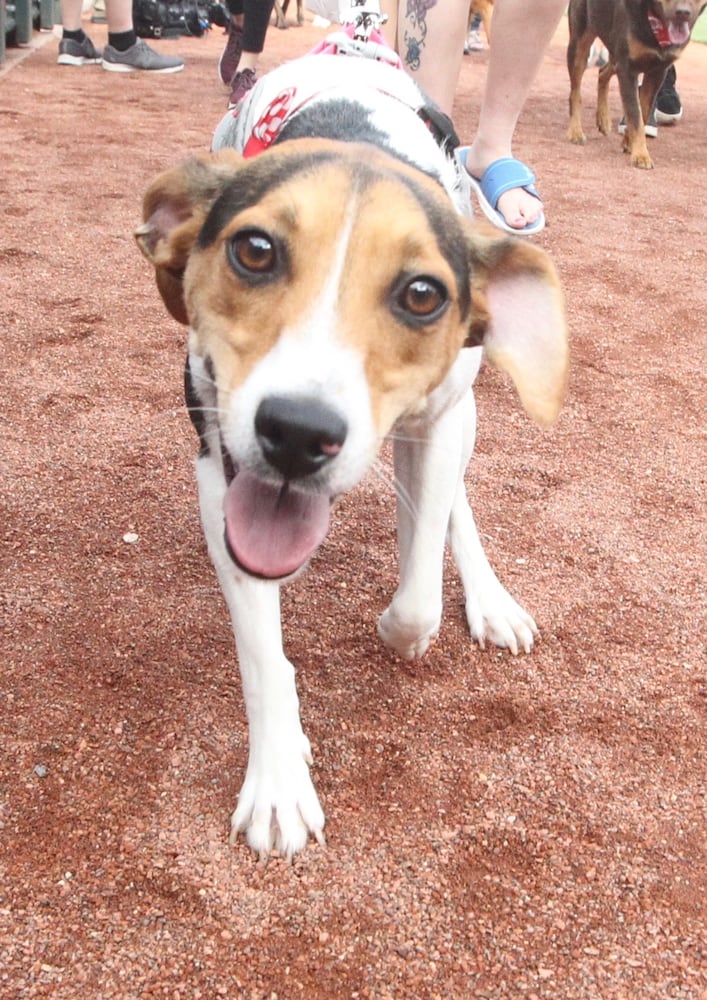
668	108
73	53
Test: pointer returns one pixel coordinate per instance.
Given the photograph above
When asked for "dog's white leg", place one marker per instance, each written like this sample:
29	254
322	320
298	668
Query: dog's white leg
490	610
277	805
426	476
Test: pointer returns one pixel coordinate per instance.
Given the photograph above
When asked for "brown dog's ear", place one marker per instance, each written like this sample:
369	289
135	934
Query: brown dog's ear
518	315
174	209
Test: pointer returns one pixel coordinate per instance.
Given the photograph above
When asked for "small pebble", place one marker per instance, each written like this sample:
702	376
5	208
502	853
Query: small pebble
130	537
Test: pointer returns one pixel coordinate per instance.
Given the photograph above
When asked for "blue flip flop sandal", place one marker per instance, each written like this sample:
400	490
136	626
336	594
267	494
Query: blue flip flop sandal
503	175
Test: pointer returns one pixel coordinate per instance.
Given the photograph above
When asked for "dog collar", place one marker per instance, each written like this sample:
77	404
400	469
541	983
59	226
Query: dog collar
660	31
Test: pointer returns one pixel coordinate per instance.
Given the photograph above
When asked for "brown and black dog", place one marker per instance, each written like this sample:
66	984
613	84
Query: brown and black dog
485	9
642	36
281	10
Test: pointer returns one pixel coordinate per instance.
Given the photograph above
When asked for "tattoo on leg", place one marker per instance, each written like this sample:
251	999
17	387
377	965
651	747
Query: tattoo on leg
416	18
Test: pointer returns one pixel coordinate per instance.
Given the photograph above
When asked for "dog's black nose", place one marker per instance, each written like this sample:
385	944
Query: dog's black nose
298	434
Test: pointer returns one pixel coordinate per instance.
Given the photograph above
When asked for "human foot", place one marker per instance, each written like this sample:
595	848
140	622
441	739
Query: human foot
517	205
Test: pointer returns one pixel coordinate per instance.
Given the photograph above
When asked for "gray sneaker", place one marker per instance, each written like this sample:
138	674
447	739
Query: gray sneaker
140	56
72	53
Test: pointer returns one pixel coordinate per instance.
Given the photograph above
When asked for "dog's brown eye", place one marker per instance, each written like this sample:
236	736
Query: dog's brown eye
422	299
252	252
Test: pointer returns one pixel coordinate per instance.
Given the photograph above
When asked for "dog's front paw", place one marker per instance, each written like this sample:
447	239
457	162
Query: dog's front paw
576	135
277	806
410	640
495	617
604	121
642	161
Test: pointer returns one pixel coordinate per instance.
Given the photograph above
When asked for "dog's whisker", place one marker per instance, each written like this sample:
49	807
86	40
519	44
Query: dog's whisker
411	439
206	379
202	377
202	371
218	410
405	499
406	438
388	479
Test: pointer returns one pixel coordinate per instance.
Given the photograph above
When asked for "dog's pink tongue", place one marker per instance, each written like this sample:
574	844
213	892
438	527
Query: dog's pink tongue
272	532
678	32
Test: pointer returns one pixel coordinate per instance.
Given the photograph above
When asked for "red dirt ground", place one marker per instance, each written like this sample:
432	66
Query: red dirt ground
497	827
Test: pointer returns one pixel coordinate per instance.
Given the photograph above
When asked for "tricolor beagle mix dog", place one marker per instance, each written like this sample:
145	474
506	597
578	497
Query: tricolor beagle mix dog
336	296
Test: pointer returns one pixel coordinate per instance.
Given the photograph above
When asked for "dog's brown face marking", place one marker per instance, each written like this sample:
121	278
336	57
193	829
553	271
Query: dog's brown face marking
363	247
355	269
679	10
257	178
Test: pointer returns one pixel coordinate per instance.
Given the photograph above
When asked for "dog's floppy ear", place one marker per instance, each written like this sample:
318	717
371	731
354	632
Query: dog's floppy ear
174	209
518	315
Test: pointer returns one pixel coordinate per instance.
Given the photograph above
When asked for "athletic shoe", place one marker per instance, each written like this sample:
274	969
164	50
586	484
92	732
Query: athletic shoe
668	108
73	53
598	55
140	56
650	128
231	55
473	42
243	81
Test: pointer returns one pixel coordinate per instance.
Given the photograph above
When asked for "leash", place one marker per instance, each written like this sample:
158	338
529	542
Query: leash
361	35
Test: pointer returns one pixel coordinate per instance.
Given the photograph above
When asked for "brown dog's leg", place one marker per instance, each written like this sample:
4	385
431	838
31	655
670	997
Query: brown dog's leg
486	16
485	9
635	137
280	8
603	116
652	80
577	55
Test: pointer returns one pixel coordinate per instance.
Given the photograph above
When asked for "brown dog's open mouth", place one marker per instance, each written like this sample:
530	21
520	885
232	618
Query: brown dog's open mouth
671	31
678	31
271	531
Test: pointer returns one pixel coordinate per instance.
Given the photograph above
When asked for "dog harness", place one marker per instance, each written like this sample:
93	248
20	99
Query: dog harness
290	100
323	75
